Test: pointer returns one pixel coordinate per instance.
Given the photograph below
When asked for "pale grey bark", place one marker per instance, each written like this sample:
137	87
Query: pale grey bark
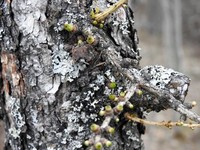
54	88
59	96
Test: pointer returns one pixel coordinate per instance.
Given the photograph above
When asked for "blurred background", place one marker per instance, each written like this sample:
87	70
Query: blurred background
169	33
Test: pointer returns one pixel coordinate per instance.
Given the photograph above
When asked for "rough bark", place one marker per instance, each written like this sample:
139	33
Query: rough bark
53	88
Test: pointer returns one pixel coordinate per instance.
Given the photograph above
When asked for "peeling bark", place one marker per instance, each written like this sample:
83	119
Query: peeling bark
54	87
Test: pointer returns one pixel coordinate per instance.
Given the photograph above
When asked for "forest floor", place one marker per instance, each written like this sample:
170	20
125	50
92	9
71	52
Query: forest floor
178	138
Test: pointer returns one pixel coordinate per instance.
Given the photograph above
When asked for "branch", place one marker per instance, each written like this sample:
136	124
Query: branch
135	77
167	124
111	9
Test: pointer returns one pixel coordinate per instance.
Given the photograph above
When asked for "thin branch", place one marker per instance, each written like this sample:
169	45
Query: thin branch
135	77
111	9
167	124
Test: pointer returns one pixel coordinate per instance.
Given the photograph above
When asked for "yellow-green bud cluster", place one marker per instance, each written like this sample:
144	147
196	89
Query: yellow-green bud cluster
93	12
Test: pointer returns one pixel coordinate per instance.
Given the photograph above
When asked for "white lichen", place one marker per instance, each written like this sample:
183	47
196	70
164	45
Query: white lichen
68	1
64	65
167	79
16	119
110	76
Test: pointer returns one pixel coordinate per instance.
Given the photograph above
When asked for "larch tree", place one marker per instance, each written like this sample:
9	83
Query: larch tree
70	76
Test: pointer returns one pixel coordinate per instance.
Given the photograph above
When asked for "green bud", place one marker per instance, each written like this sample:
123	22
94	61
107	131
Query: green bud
112	97
101	25
108	108
92	14
131	106
94	127
116	119
94	22
108	143
139	92
112	85
98	146
122	94
69	27
80	42
180	123
110	130
102	113
96	10
119	107
90	39
87	143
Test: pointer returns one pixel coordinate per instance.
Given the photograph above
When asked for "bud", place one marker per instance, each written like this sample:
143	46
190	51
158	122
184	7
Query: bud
98	146
138	92
110	130
108	143
122	94
90	39
101	25
119	108
112	85
87	143
69	27
102	113
112	97
131	106
108	108
94	127
194	103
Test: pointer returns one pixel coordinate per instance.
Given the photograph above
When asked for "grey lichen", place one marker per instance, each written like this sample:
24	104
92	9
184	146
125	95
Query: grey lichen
64	65
167	79
17	121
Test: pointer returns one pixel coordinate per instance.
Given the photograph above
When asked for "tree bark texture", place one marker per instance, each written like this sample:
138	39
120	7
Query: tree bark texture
54	82
53	88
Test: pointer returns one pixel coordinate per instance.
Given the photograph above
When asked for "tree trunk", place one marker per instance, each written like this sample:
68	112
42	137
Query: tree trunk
172	33
53	88
61	65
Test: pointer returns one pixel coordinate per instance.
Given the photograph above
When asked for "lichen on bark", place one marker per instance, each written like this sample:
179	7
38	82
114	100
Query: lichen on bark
64	81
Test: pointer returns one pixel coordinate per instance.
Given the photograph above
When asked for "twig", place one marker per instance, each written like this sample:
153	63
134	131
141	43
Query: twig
113	8
135	77
167	124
